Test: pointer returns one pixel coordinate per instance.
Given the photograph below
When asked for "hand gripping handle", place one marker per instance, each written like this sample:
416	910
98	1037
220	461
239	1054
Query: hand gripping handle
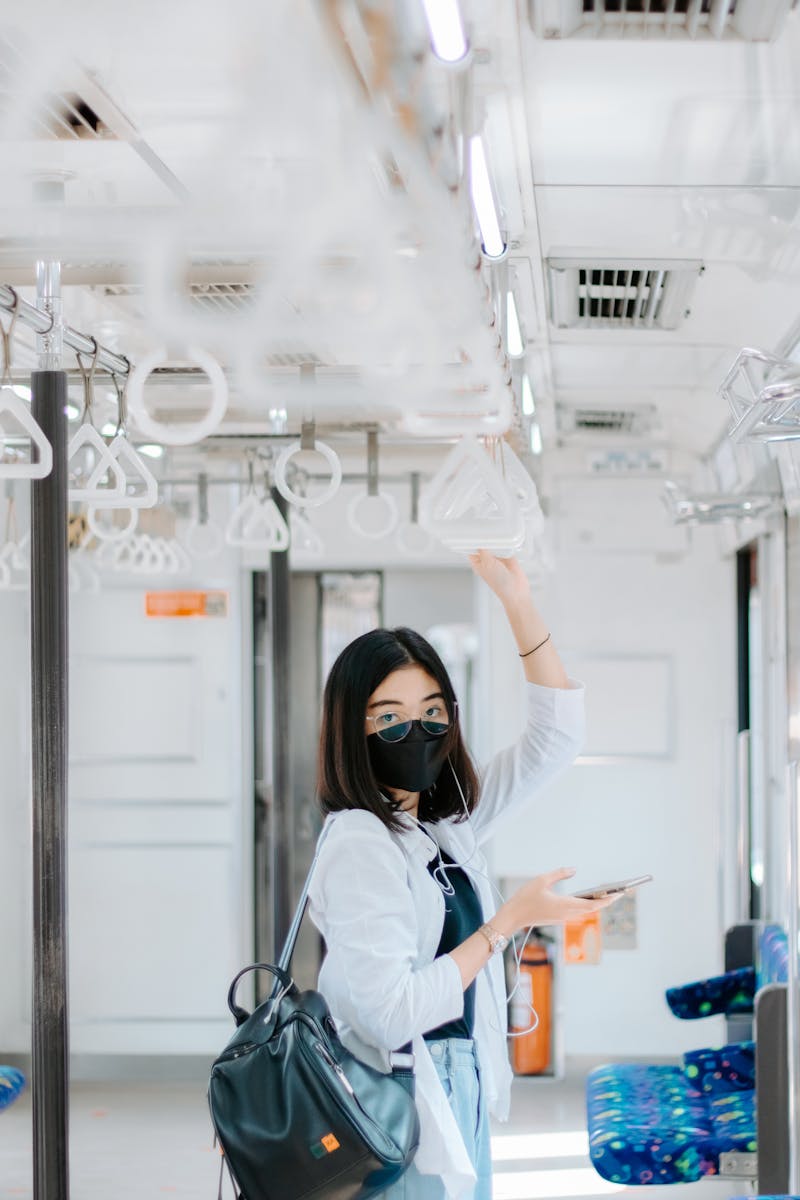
240	1015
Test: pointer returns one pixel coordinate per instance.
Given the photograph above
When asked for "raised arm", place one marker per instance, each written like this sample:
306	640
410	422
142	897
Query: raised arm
509	583
554	725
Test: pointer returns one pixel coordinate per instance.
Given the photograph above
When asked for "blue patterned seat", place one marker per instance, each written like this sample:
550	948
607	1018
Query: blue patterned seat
729	994
670	1124
12	1082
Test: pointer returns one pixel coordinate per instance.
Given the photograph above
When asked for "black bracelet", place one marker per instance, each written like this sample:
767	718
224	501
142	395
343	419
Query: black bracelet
535	648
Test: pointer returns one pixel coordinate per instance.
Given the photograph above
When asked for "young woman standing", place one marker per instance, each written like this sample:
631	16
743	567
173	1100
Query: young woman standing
413	934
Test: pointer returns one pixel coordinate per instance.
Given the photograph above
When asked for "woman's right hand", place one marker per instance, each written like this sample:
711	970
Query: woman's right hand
536	903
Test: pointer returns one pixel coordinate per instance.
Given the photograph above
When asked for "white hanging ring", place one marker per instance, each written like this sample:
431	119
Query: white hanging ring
391	514
412	539
191	432
326	494
115	533
204	541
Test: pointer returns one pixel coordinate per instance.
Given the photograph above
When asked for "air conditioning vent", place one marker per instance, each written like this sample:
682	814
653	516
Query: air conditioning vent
602	294
748	20
636	420
71	118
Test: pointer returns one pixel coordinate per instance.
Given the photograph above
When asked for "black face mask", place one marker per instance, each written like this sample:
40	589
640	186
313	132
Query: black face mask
411	765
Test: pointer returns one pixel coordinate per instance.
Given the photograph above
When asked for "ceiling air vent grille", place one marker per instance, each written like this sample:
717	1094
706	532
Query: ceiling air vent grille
600	294
748	20
635	421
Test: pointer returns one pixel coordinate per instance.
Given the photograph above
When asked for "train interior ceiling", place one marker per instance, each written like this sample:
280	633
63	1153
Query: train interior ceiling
343	290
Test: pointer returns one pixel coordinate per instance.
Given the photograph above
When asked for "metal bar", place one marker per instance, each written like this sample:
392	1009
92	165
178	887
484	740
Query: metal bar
373	479
49	684
742	910
38	320
793	981
281	840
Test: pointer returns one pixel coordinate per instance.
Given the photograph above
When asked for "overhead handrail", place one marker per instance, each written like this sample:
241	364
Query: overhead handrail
11	403
468	506
190	432
710	508
256	522
373	492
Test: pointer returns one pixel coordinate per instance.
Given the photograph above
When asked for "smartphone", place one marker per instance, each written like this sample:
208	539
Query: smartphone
608	889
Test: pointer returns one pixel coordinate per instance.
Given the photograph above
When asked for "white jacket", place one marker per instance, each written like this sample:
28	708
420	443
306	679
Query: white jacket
381	915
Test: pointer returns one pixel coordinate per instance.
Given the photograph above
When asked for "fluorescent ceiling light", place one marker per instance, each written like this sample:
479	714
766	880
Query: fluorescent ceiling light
72	411
152	451
22	391
447	30
109	429
528	405
483	200
536	438
513	331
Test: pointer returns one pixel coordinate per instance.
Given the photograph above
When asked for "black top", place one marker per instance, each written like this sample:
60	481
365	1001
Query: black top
462	916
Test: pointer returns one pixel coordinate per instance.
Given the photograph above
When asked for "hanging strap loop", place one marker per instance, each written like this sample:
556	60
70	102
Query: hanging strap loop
88	382
7	336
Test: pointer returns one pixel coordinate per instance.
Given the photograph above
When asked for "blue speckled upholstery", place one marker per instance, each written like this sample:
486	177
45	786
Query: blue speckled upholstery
729	994
773	956
12	1082
669	1124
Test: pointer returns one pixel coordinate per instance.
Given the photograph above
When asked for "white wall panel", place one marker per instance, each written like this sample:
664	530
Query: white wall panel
150	932
657	815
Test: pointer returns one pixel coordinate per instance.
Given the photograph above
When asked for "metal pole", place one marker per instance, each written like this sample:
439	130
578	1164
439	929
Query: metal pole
742	912
49	693
281	842
38	320
792	997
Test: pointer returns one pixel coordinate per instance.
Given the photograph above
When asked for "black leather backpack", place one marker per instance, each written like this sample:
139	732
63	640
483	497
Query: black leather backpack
298	1116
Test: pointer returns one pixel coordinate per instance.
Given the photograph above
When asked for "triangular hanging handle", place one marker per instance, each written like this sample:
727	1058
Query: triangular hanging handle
134	470
11	403
257	525
468	481
106	465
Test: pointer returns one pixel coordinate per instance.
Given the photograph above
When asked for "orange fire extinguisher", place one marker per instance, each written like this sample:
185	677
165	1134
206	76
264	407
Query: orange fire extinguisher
530	1053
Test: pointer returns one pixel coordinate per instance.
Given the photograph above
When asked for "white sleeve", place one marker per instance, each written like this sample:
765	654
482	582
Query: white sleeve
553	736
362	905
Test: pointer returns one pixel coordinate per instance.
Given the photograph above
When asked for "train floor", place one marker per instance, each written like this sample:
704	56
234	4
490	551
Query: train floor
151	1141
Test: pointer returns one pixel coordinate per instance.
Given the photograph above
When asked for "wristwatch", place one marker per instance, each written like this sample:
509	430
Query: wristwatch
497	941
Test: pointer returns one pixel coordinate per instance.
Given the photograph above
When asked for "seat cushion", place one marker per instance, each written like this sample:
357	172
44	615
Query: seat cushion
12	1082
649	1125
725	1069
729	994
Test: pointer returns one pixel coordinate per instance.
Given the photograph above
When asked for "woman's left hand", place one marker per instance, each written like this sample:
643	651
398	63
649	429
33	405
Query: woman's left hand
504	576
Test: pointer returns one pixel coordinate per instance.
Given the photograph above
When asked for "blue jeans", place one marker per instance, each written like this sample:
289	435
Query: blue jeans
456	1063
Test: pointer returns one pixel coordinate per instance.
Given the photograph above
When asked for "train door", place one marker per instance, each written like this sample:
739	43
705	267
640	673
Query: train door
324	611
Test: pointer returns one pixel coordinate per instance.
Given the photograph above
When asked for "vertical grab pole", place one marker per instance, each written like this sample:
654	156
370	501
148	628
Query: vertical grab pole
49	695
743	826
792	996
282	840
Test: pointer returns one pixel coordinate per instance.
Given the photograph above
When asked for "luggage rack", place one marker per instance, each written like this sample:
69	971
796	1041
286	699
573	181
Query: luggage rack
711	508
763	393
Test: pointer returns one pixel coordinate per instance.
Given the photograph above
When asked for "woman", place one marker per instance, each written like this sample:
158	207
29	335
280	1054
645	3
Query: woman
413	935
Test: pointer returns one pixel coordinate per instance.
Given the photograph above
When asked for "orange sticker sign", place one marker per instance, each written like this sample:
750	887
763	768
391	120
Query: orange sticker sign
582	940
186	604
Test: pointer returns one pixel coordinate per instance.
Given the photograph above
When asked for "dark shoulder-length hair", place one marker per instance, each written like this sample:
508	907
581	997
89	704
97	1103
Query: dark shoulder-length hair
346	778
